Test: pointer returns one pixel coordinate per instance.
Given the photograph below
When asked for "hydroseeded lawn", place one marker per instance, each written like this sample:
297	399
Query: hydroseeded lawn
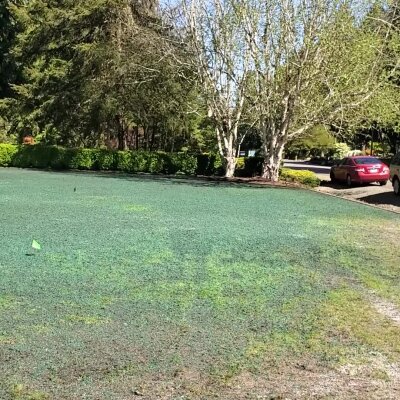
174	289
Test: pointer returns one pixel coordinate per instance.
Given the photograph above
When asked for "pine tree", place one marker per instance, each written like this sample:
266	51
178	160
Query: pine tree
95	70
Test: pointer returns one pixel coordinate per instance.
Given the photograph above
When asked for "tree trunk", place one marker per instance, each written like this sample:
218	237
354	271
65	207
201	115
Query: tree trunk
136	133
227	145
230	166
122	144
146	138
272	161
152	138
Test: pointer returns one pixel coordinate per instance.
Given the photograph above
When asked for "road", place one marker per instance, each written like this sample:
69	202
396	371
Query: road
381	196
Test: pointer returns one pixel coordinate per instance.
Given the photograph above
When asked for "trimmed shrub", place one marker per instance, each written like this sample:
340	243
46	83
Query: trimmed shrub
240	162
38	156
83	159
105	160
23	157
302	176
209	164
58	159
253	166
154	163
123	161
29	156
181	163
7	154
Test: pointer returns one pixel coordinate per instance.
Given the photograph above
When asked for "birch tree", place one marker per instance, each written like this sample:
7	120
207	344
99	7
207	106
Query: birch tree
222	58
293	63
314	62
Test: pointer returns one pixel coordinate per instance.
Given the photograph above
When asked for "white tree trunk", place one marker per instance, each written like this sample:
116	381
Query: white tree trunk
272	160
227	144
230	166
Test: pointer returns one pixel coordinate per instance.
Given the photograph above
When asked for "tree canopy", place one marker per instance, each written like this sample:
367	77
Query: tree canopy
97	71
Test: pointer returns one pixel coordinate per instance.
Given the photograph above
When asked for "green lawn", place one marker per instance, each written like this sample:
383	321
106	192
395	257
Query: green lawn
155	288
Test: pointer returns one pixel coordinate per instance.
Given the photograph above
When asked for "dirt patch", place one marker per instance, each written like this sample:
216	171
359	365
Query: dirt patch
297	381
386	308
301	382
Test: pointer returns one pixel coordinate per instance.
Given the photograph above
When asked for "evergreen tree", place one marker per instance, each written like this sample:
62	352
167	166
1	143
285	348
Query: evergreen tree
8	30
97	70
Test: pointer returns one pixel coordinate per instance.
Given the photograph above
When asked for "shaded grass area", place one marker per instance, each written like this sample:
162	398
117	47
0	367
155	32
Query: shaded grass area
176	288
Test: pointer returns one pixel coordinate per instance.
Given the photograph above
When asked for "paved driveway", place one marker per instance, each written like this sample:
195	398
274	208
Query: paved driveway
381	196
321	171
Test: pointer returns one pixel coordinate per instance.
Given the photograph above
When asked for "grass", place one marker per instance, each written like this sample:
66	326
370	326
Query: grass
179	289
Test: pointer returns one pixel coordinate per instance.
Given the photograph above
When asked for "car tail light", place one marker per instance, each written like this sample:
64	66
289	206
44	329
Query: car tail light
359	169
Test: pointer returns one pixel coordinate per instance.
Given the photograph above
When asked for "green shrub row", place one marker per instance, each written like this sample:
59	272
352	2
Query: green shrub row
7	154
96	159
304	177
135	161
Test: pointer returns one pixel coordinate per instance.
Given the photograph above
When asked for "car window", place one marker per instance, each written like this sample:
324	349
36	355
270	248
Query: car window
367	160
349	162
342	162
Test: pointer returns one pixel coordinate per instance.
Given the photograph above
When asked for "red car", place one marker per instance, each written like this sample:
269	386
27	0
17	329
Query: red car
360	169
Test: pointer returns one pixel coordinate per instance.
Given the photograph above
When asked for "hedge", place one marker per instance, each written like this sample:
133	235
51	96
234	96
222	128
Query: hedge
38	156
304	177
253	166
54	157
7	154
209	165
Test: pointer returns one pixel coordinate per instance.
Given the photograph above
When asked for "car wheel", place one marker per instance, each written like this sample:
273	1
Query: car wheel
333	177
349	181
383	183
396	186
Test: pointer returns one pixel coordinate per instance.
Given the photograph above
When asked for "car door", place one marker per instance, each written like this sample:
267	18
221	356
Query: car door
348	168
341	171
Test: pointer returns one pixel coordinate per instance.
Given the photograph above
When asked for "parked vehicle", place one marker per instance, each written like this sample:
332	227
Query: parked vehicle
395	173
360	169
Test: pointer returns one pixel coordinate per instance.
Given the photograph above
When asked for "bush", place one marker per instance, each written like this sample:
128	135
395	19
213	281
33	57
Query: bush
304	177
7	154
81	158
240	163
141	162
209	165
154	163
253	166
181	163
339	150
38	156
54	157
105	160
123	161
58	159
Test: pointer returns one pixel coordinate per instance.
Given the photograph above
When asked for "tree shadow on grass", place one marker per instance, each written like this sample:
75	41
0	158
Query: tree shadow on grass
194	181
